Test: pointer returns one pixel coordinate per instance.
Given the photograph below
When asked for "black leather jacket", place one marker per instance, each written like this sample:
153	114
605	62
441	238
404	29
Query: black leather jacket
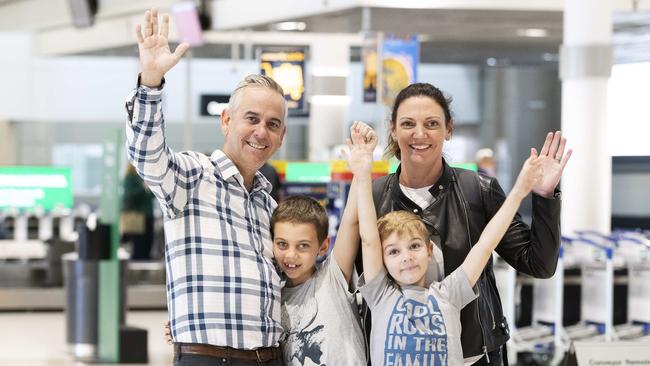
456	221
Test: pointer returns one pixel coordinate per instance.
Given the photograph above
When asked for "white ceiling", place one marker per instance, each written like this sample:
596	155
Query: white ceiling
463	31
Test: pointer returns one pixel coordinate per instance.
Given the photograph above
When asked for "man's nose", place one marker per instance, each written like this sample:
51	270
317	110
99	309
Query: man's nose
261	131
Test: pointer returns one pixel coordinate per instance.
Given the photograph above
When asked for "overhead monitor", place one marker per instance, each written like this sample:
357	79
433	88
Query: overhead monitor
83	12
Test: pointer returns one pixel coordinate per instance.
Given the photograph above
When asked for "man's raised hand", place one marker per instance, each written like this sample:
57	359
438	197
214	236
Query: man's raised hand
156	57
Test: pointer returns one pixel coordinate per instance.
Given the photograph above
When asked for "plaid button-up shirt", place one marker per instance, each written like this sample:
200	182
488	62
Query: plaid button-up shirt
222	286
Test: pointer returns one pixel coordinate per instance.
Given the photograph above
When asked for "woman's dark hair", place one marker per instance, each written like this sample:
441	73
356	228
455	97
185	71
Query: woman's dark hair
416	90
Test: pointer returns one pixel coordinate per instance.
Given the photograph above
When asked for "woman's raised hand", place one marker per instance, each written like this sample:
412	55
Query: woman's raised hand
553	160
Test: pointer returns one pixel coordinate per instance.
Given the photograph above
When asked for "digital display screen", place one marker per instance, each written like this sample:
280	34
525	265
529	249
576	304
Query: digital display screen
302	172
287	68
32	187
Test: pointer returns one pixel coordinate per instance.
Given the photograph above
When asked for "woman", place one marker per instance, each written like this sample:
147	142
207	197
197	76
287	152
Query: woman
455	204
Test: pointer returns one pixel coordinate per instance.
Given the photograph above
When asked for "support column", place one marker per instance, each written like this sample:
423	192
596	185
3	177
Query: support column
585	67
7	143
329	104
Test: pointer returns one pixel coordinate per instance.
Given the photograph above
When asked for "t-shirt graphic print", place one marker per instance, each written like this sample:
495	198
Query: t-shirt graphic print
308	337
321	322
416	334
416	326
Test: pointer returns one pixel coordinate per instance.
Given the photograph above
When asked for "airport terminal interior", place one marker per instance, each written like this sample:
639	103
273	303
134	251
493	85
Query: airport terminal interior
82	247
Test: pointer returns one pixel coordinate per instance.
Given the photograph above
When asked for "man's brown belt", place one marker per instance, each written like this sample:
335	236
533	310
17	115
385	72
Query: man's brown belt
260	354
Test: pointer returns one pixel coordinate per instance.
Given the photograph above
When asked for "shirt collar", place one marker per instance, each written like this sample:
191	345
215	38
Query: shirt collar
228	169
441	185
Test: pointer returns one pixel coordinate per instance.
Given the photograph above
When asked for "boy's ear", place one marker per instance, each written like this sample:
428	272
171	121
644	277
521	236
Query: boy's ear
324	247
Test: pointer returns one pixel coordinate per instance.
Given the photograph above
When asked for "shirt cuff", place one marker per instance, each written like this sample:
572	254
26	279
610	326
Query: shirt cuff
557	195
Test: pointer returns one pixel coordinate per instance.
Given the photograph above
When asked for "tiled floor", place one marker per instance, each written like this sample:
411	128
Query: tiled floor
38	339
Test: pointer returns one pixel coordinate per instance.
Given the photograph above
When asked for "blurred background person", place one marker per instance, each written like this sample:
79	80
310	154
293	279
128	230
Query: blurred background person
485	162
272	176
136	219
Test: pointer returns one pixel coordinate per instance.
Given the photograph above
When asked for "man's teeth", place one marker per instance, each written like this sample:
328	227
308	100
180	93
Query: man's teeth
256	146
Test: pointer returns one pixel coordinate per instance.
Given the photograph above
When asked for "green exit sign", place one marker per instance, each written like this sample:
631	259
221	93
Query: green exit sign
25	187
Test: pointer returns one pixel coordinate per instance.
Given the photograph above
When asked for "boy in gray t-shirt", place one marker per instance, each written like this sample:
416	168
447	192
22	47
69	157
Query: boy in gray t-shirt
413	324
321	321
320	317
319	309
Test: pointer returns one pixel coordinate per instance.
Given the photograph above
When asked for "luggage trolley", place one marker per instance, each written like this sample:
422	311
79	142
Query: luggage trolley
634	247
594	254
544	336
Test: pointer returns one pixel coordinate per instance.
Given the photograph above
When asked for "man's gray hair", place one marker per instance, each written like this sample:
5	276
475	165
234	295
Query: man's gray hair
255	81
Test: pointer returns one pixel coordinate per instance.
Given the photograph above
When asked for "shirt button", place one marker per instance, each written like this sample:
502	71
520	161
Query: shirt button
415	210
440	187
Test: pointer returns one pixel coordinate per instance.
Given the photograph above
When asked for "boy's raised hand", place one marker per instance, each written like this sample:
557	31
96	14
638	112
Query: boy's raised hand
532	172
153	45
362	143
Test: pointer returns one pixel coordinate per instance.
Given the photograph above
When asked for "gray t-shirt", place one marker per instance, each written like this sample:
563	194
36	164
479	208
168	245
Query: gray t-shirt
321	320
414	325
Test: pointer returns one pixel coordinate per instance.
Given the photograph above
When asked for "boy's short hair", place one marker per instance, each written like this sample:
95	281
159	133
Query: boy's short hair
302	210
401	222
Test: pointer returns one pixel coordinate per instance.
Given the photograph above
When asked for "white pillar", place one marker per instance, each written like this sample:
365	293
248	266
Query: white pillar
329	104
7	143
585	67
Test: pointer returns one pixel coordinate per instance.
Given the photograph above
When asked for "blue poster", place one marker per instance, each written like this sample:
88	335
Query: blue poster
400	58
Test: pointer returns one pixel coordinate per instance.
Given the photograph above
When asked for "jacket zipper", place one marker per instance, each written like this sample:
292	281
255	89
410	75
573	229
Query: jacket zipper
480	324
494	324
478	312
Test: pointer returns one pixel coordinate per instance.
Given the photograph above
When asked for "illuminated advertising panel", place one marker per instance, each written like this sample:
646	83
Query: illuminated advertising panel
31	187
399	60
287	68
371	68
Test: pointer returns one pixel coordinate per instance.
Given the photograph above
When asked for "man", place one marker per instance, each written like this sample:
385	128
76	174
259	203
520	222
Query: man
223	291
